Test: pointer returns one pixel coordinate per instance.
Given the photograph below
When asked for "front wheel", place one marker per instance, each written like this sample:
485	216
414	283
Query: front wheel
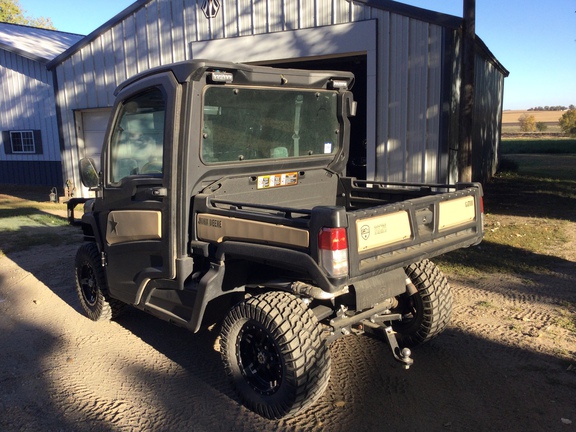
91	285
427	313
274	353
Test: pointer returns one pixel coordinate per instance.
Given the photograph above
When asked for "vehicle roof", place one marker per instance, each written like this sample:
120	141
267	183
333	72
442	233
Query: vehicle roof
194	70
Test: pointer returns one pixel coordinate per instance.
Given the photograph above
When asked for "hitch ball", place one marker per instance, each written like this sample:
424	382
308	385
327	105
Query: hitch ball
405	357
405	353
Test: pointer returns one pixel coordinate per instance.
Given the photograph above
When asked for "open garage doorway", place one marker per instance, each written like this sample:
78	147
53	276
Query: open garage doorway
357	64
349	46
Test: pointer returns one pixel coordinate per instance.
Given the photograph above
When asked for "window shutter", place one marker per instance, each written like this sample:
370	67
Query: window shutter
6	142
38	141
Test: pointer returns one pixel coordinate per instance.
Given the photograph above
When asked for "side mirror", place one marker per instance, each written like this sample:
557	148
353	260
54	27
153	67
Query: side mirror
88	173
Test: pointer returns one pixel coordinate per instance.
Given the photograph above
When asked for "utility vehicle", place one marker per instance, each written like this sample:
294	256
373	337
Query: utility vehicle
221	195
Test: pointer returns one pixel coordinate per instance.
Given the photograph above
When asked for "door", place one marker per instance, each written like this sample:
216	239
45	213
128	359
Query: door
136	211
91	127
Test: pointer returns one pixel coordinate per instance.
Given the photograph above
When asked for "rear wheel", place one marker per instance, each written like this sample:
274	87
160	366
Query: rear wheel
274	354
427	313
91	285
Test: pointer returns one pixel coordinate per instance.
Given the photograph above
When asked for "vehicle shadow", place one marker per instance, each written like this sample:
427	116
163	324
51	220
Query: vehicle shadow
459	381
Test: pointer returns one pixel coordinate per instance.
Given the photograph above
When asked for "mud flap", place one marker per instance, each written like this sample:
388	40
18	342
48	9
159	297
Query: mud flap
209	288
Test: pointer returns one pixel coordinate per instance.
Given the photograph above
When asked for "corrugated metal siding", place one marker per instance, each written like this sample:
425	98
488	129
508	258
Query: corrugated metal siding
409	99
28	104
410	70
36	173
487	117
489	84
454	115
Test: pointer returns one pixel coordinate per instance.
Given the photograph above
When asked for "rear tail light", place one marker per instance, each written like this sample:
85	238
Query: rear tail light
333	249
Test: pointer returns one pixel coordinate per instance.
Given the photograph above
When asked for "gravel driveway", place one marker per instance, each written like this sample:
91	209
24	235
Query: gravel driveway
504	364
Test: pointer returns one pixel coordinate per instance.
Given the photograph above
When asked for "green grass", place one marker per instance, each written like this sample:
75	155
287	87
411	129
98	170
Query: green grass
527	214
512	248
540	146
551	166
25	223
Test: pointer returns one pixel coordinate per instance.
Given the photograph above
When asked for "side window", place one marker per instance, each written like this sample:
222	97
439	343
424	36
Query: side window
137	142
22	142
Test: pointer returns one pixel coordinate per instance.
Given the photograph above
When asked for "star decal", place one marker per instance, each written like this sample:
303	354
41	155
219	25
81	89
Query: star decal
113	225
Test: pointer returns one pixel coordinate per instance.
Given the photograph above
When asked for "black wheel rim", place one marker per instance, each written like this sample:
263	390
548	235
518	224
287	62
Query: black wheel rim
88	285
259	359
412	311
409	310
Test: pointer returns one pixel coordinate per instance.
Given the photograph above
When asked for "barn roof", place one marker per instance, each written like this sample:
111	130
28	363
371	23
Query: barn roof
35	43
438	18
433	17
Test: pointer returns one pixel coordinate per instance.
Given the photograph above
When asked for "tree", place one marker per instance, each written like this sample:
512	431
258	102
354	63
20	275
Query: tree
527	123
11	12
568	122
541	126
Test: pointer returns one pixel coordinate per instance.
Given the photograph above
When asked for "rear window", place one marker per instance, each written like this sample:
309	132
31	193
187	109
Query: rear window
251	123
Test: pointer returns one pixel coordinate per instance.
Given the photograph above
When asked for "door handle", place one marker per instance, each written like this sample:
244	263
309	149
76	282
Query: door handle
150	193
158	192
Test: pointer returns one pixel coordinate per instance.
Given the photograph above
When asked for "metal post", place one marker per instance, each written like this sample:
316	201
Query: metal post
467	92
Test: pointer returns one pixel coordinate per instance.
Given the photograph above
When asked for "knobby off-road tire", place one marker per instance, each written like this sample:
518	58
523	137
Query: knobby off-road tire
91	285
427	313
274	354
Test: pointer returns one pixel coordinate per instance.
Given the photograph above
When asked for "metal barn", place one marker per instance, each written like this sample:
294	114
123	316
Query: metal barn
29	143
406	61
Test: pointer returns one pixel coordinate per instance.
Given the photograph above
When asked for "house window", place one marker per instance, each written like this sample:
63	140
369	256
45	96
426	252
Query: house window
22	142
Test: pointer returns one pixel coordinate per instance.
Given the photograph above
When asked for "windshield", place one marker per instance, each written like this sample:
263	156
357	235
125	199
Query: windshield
249	123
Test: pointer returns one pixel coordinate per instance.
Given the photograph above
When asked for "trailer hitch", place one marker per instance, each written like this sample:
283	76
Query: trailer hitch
374	321
400	354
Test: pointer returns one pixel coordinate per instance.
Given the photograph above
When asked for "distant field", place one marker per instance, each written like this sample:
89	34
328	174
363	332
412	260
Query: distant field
510	117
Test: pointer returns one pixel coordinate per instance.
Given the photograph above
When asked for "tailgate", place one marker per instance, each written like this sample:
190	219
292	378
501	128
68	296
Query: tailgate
395	235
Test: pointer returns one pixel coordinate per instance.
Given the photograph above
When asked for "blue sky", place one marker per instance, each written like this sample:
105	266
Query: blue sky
534	40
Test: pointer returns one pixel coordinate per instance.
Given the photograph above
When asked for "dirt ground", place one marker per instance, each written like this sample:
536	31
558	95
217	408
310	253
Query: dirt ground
506	362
